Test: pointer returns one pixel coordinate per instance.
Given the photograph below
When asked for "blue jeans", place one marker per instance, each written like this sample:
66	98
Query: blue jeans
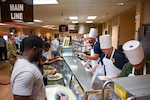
55	53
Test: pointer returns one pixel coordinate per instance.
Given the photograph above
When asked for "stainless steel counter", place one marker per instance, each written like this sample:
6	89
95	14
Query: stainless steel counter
83	76
136	87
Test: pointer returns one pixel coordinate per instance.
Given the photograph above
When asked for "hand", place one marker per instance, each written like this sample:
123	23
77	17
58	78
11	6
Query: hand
86	64
94	68
59	59
42	60
82	54
53	72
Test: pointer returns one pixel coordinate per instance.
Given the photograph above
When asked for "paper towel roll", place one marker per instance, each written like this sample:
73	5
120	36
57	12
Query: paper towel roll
93	33
105	41
134	51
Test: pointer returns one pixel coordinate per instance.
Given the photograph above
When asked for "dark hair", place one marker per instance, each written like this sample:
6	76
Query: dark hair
30	42
56	35
46	44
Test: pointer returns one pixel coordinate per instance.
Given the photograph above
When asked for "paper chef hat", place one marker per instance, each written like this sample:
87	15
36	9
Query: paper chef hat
134	51
85	35
93	33
105	41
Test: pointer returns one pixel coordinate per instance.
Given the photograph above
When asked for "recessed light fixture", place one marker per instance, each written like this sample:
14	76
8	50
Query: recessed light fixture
75	21
2	24
89	21
120	4
38	21
49	26
73	17
30	22
39	2
91	17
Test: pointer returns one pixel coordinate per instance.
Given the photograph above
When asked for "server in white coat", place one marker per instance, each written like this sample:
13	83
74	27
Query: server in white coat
114	59
137	65
96	52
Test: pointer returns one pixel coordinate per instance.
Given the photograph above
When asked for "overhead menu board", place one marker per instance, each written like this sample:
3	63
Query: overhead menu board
16	10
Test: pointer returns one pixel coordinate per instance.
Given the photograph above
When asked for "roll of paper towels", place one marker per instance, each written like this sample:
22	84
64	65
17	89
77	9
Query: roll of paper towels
134	51
105	41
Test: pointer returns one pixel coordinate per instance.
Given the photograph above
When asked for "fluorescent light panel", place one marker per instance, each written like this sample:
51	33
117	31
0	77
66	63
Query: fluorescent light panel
30	22
120	4
38	2
75	21
73	17
37	20
2	24
49	26
89	21
91	17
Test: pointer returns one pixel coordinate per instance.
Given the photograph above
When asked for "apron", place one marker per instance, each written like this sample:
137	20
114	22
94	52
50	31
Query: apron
110	68
94	62
133	70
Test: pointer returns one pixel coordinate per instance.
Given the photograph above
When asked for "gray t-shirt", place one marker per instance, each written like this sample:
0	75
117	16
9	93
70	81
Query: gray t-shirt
27	80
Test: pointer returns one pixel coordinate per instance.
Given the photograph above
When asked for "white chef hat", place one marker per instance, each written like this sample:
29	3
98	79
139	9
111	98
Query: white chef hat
85	35
93	33
134	51
105	41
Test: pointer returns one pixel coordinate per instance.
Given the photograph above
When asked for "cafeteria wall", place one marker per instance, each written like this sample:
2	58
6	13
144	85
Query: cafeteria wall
127	26
128	23
145	13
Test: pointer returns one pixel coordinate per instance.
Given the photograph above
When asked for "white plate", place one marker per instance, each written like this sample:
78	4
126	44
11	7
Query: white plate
103	78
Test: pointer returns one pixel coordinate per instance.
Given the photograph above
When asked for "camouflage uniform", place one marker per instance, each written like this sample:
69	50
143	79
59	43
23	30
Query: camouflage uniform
12	53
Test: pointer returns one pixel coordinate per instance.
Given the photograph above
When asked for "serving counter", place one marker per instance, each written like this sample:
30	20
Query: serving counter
83	77
131	88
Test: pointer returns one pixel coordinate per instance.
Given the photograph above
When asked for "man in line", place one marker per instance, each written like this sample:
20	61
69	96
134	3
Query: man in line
26	79
137	65
12	51
55	46
3	49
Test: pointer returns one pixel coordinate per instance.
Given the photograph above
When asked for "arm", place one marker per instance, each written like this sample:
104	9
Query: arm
53	60
94	57
127	69
94	68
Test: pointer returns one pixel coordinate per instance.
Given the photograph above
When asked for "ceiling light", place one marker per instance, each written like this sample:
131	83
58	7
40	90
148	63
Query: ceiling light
30	22
38	21
89	21
18	21
38	2
2	24
91	17
49	26
120	4
75	21
73	17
